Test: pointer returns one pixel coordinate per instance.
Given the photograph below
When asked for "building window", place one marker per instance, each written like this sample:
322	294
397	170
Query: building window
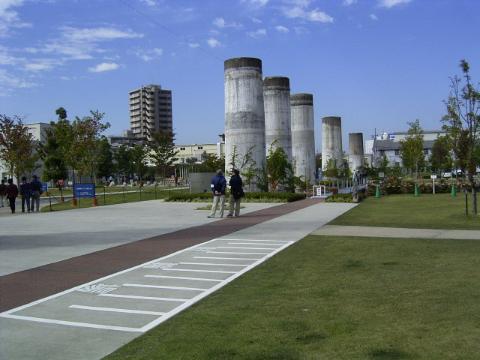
200	148
397	152
425	151
182	148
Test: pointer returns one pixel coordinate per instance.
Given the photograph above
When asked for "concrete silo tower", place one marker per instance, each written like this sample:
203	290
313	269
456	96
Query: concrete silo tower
355	145
244	113
332	141
303	136
278	132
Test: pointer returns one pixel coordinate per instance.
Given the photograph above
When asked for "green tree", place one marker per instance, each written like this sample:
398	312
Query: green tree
462	122
441	158
105	167
331	171
55	167
162	150
85	150
211	162
411	148
17	146
123	161
279	169
138	160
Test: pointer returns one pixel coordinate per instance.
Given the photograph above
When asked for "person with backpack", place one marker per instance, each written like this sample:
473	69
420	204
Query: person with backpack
236	193
36	187
218	186
25	193
12	193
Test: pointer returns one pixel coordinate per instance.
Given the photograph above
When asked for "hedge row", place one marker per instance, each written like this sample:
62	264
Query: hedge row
249	197
395	185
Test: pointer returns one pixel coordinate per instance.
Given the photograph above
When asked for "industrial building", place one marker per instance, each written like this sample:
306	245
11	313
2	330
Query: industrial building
388	145
150	111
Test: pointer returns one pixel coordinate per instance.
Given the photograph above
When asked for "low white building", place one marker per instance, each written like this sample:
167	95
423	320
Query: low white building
193	153
388	145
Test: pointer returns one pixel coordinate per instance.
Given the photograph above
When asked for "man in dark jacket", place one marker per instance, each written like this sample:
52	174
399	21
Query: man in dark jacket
12	193
218	186
25	193
236	193
3	192
36	192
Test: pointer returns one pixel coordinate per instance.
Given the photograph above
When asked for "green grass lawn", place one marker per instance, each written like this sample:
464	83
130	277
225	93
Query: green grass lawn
439	211
111	199
335	298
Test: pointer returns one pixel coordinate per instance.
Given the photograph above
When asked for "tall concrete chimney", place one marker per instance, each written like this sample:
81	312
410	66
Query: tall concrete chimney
244	113
331	141
303	137
355	144
278	132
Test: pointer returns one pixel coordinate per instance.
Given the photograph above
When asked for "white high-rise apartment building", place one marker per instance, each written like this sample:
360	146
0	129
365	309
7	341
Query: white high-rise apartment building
150	111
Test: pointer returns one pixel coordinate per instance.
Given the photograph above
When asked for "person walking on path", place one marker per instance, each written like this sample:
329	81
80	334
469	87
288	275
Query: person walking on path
36	187
236	193
218	186
12	193
3	192
25	193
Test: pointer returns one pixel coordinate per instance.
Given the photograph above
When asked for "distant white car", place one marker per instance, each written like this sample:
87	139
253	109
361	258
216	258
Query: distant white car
447	175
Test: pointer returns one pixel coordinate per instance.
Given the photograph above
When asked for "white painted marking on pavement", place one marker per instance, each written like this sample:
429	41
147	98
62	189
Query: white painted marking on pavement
212	264
72	323
163	287
200	296
244	247
126	311
223	258
255	240
242	243
235	253
144	297
181	278
206	271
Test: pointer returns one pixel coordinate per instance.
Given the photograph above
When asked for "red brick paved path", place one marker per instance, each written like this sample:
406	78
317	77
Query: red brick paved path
26	286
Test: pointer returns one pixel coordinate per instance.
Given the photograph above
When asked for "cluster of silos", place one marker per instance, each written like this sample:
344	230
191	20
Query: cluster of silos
262	115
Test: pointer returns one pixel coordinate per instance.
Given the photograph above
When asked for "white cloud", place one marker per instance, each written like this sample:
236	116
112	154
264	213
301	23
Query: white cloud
221	24
391	3
213	43
256	3
257	34
9	17
104	67
193	45
282	29
294	9
149	2
373	17
6	58
349	2
256	20
82	43
149	55
9	81
41	65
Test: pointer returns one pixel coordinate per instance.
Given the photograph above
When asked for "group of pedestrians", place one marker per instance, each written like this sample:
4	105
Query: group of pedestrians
219	186
29	192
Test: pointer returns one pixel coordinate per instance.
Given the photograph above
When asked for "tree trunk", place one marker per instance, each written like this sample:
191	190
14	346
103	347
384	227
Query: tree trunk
474	193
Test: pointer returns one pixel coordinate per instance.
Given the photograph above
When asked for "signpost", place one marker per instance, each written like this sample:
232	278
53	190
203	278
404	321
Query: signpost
433	177
84	191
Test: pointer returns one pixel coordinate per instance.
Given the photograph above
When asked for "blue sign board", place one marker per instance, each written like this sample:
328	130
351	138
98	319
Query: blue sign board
84	190
44	187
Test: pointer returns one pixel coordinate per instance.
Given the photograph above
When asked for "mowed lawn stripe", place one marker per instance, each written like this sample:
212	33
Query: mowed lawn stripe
440	211
335	298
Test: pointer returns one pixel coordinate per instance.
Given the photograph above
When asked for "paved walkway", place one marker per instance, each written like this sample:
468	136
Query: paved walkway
87	306
389	232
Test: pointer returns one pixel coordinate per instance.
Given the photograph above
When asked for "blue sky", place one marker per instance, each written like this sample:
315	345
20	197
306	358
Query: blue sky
376	63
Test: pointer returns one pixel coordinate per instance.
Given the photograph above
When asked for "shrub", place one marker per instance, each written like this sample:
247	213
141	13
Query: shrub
249	197
344	198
